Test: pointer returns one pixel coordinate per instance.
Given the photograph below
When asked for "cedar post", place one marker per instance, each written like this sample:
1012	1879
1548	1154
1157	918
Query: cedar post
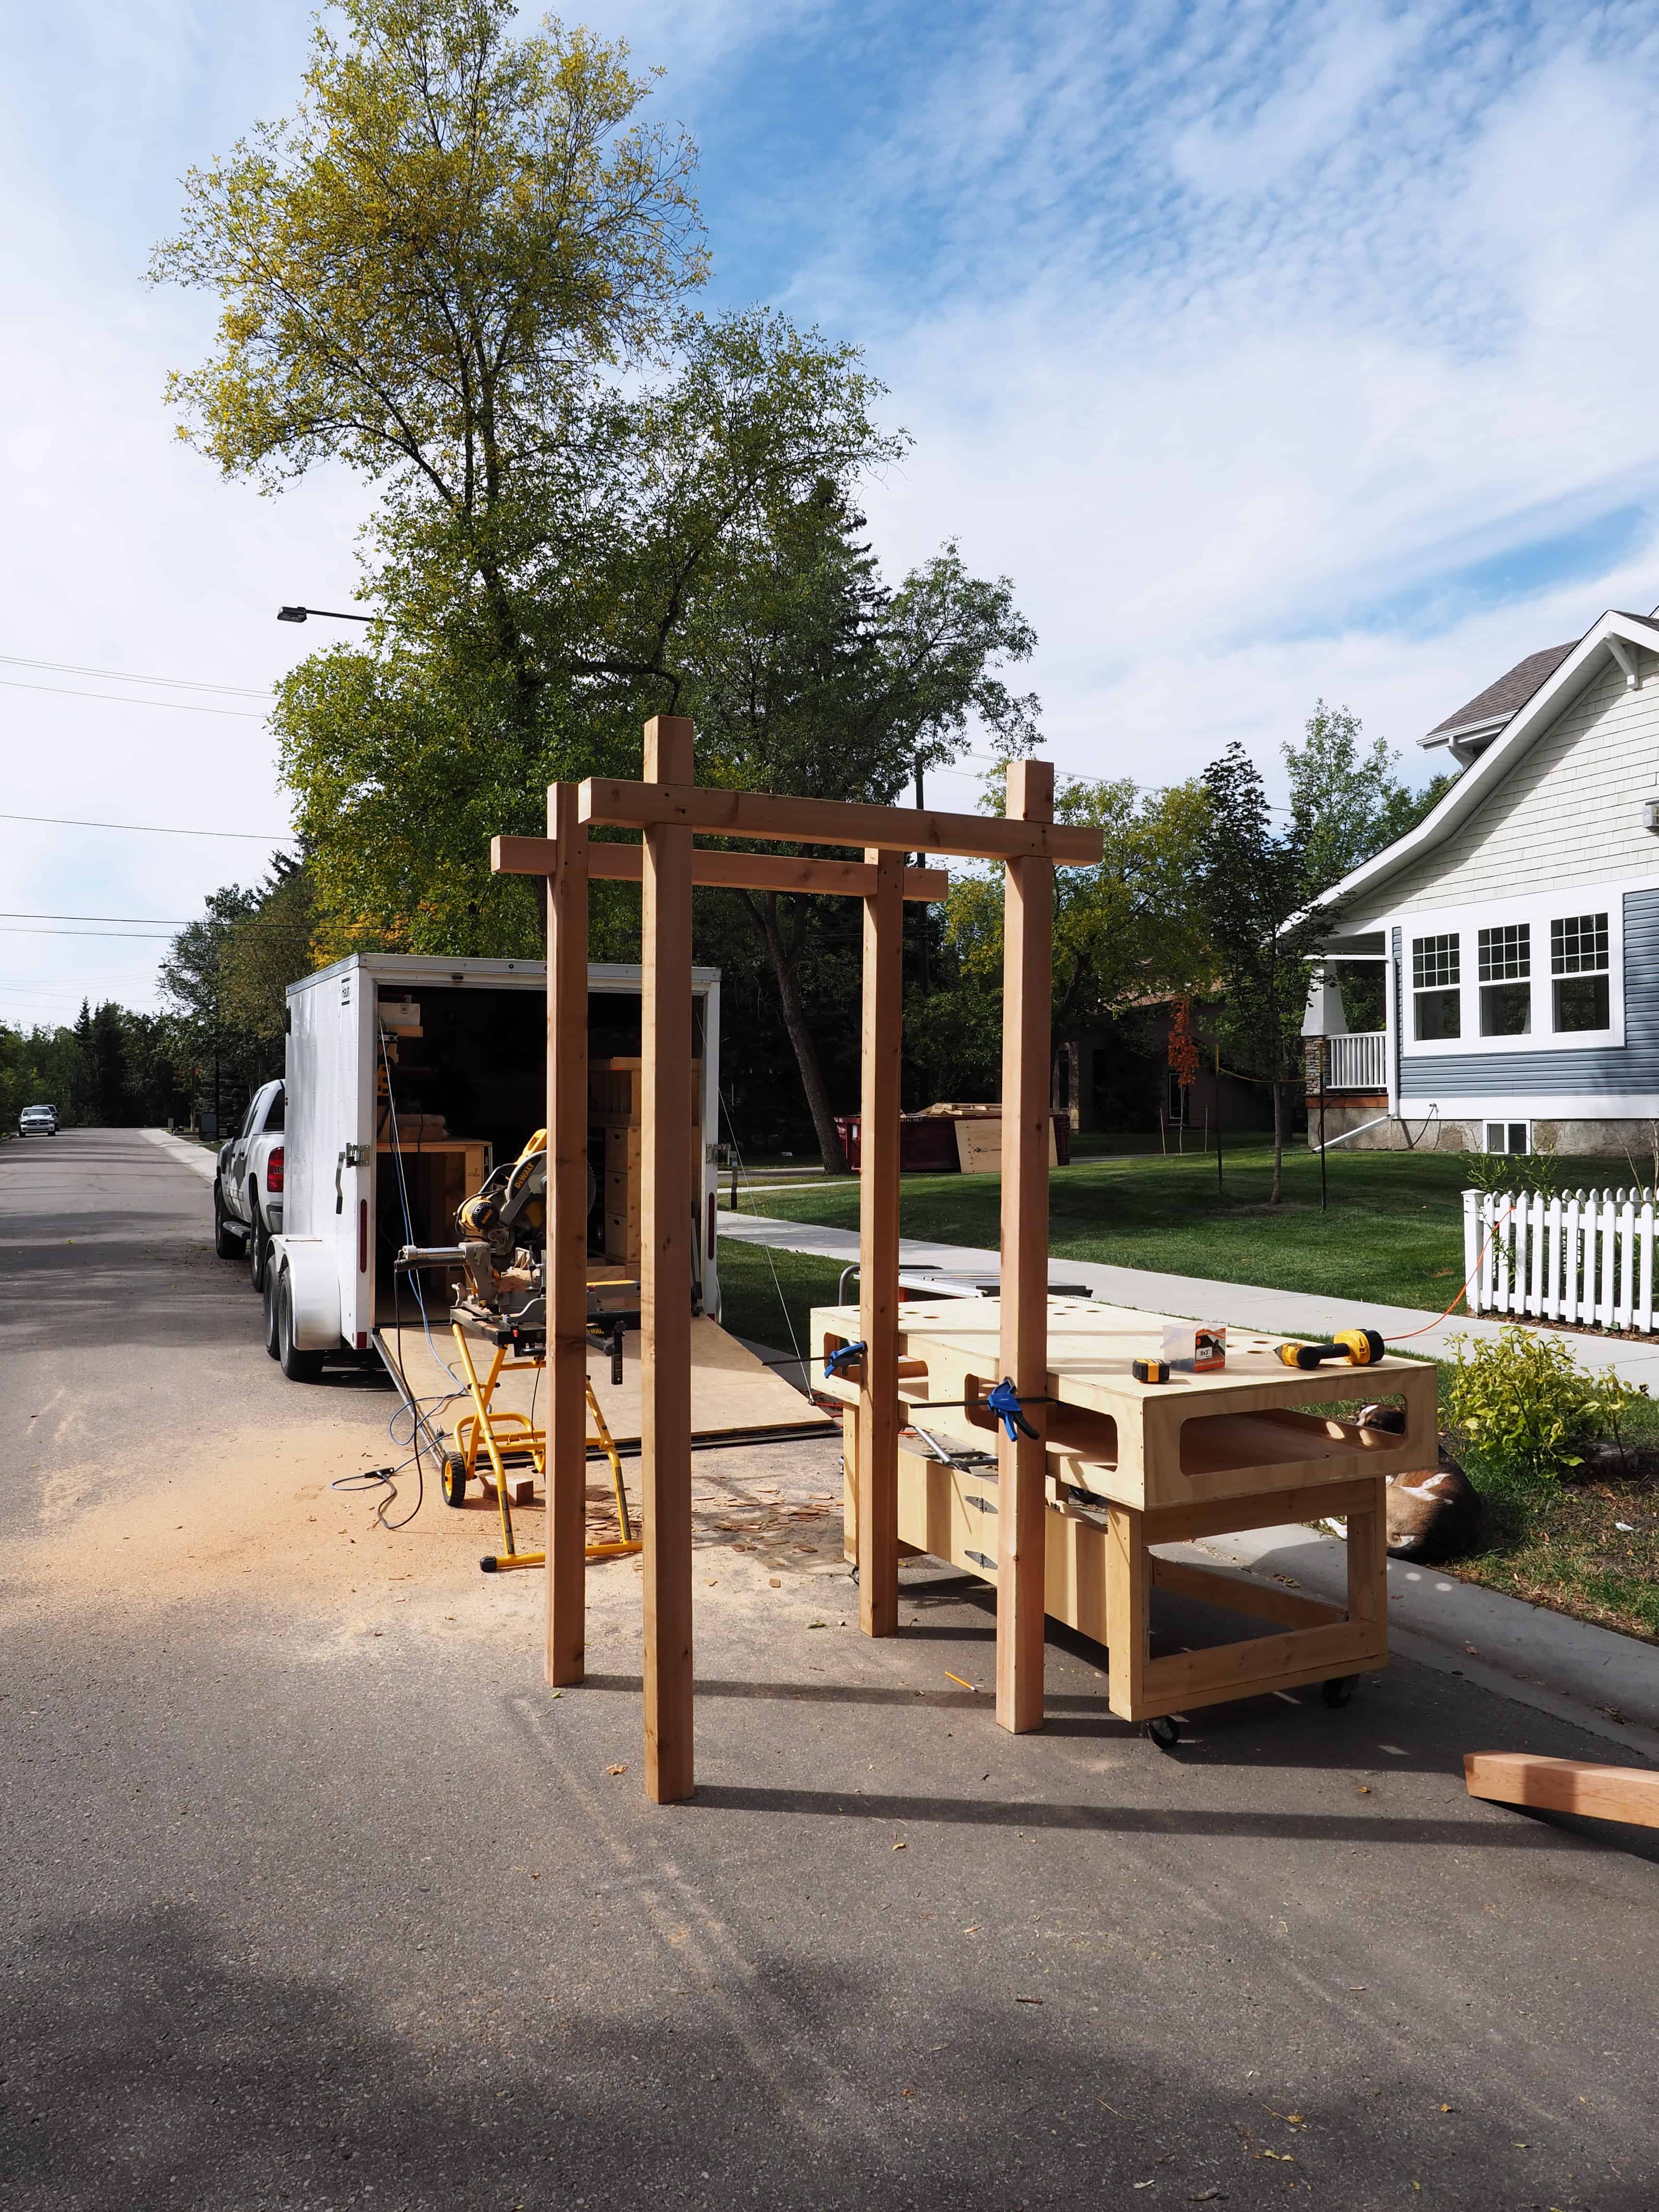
1027	993
666	1229
878	1246
566	1280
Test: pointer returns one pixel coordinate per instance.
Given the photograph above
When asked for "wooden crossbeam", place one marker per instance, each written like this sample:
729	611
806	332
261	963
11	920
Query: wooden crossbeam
738	872
1565	1786
835	822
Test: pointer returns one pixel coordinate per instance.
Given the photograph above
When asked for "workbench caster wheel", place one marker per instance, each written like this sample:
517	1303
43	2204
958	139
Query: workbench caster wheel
454	1478
1338	1691
853	1575
1164	1731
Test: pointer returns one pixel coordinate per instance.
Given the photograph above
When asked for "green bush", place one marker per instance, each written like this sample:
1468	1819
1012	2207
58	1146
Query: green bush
1525	1407
1498	1173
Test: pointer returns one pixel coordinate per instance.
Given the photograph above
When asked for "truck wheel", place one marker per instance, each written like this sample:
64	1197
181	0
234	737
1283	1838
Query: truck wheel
454	1478
258	1247
298	1366
226	1243
271	1345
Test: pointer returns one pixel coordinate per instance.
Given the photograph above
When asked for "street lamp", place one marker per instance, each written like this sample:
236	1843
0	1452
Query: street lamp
323	614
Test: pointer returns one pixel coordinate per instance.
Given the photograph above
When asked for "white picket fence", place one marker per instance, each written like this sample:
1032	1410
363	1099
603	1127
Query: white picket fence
1584	1255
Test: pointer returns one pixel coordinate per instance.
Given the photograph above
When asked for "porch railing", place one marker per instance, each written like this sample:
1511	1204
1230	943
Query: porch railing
1357	1062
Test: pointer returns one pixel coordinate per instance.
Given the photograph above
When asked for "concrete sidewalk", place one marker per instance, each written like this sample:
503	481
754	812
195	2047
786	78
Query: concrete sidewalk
187	1152
1246	1305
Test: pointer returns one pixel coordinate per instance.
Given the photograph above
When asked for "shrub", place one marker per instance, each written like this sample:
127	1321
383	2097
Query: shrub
1497	1174
1524	1404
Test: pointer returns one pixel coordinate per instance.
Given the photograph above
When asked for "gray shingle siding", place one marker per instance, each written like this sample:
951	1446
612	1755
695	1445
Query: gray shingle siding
1609	1070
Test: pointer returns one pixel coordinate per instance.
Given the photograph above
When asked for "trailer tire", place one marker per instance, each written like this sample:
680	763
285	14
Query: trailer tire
226	1244
298	1366
272	1277
258	1245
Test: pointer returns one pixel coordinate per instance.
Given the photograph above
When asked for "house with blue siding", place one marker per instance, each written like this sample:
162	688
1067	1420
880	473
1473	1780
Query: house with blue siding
1514	931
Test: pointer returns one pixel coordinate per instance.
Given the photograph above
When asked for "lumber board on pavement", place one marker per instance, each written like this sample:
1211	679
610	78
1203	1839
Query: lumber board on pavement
1629	1794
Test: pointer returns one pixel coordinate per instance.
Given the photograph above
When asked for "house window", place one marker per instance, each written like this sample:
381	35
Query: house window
1505	959
1507	1137
1436	974
1578	972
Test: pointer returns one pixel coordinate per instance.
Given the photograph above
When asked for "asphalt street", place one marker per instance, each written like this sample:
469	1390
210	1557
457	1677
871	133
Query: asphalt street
317	1896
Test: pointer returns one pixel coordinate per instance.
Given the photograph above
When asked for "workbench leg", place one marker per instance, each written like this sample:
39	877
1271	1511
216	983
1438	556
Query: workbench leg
1027	1013
1128	1610
1368	1558
849	1485
666	1225
878	1246
565	1476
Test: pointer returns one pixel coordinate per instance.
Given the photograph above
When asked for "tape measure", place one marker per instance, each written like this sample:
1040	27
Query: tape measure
1150	1370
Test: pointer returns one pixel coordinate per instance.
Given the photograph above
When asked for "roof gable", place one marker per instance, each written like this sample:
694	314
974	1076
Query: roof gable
1616	638
1499	701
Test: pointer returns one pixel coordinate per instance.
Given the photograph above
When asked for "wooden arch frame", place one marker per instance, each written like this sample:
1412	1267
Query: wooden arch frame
669	808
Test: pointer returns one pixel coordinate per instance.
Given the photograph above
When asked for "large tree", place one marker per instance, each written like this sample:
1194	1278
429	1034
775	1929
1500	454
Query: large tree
463	267
1252	884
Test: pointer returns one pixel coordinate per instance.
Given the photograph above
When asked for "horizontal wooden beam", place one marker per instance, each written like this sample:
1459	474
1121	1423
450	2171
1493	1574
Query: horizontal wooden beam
738	872
1255	1600
833	821
1565	1786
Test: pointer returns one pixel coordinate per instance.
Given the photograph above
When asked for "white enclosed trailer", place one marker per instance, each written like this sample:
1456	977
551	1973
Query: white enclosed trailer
408	1077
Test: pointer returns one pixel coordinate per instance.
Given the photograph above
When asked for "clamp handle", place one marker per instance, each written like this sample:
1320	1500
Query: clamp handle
1004	1402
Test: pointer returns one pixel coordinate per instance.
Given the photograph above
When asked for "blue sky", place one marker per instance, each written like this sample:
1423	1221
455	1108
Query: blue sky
1274	350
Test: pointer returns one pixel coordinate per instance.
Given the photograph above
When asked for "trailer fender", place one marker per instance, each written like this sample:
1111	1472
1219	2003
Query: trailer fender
315	1284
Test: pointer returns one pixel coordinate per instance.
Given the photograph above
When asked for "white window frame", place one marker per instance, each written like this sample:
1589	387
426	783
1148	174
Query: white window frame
1539	909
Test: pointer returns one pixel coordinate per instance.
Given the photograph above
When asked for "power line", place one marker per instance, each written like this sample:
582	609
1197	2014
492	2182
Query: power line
25	914
126	936
120	699
156	829
126	676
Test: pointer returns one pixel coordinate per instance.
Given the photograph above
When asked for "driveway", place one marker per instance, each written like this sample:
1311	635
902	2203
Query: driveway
317	1896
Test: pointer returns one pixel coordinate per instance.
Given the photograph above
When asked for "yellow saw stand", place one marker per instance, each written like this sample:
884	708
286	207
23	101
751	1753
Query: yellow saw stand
507	1435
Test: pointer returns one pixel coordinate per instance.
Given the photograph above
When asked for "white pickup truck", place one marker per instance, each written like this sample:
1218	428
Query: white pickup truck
247	1191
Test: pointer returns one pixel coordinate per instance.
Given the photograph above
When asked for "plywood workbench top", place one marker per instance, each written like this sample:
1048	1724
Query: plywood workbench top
1231	1431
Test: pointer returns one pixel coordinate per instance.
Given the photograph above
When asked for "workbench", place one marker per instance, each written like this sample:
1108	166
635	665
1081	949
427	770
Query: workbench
1131	1466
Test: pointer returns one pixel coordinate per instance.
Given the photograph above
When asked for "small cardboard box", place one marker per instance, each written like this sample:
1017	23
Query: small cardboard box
1195	1347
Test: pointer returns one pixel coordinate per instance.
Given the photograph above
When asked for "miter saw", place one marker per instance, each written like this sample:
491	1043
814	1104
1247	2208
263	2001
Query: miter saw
501	1250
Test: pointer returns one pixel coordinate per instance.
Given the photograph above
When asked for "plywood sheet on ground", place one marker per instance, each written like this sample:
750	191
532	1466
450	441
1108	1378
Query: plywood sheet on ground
732	1391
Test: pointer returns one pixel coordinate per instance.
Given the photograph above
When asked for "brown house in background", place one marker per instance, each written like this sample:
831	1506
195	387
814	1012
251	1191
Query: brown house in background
1117	1076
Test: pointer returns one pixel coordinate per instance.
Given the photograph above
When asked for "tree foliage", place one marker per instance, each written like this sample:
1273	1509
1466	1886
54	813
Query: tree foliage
1346	805
463	268
1252	886
1130	927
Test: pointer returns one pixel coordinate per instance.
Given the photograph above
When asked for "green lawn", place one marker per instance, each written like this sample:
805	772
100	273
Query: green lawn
1394	1232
